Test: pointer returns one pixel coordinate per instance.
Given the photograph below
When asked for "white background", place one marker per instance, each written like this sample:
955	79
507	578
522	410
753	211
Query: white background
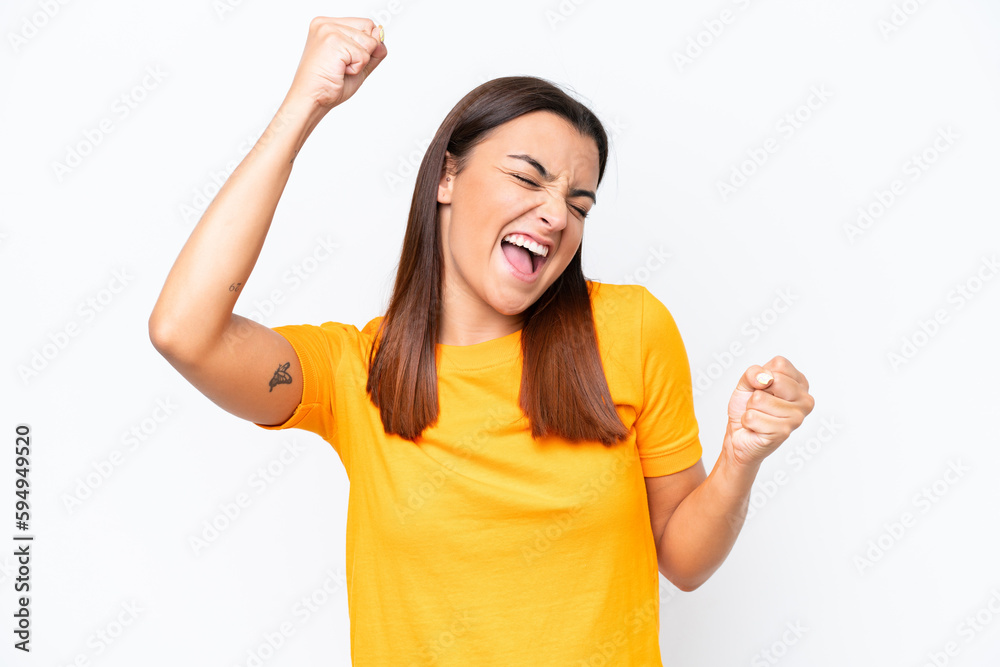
826	548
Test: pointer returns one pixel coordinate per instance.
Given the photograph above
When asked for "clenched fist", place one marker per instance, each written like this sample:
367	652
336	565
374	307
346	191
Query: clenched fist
340	53
763	412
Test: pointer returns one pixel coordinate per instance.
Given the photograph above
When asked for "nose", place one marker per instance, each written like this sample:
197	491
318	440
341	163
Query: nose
554	211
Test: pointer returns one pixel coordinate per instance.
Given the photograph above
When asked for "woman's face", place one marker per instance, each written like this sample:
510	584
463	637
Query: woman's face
489	201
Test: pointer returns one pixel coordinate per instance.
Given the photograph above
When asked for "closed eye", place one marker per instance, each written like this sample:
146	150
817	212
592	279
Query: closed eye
579	210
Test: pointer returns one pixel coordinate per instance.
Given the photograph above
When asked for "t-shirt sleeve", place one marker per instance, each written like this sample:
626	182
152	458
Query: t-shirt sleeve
666	428
319	351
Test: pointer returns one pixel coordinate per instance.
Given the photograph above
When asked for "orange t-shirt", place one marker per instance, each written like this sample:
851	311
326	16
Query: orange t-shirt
480	545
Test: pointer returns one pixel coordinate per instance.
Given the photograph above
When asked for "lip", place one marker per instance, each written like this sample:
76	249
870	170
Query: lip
535	239
520	275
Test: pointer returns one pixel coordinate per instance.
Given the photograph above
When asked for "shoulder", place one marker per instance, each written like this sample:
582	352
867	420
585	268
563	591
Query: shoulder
372	326
617	307
611	292
631	313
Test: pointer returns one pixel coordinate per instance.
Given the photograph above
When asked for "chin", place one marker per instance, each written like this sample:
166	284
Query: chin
512	310
515	305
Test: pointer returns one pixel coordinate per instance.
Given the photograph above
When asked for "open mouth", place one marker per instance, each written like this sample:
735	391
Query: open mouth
524	255
522	258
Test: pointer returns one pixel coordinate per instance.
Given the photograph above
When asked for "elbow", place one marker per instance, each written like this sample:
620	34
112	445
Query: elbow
158	333
684	584
155	331
688	587
163	335
178	340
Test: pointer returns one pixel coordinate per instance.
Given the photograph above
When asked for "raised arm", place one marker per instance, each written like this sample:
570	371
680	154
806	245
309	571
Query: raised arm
242	366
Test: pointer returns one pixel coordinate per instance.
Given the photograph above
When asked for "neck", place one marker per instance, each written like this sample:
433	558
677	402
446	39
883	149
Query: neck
467	320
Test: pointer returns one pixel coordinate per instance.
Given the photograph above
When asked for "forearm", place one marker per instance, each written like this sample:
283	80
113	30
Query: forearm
196	303
702	530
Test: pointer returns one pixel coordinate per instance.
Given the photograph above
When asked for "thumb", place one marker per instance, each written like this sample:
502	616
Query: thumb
380	51
755	377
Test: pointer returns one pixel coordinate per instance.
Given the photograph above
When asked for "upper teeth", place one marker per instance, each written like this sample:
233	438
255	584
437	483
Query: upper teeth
525	242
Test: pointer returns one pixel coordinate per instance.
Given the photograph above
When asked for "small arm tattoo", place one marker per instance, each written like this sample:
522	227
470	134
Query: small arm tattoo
235	287
280	376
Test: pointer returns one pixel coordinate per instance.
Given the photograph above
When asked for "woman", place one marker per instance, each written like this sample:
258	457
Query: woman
519	440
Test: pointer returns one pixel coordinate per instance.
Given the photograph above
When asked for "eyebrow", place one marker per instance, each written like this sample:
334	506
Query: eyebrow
545	174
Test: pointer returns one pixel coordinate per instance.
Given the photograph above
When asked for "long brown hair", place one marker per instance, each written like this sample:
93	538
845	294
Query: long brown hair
563	390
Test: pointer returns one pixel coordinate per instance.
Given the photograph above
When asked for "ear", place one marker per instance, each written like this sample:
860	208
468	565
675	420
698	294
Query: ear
447	179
